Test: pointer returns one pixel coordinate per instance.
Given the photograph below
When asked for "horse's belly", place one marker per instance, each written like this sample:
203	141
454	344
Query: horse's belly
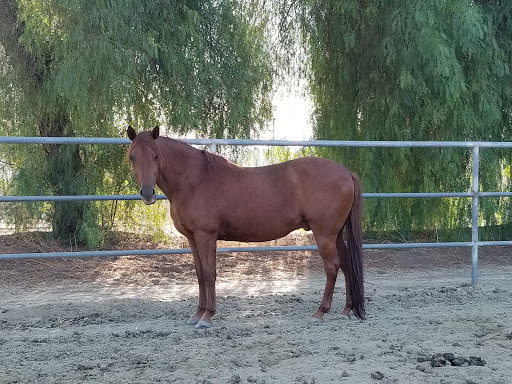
257	228
251	236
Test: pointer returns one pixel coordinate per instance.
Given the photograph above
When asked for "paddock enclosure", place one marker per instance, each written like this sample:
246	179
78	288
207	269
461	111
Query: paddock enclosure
109	319
474	194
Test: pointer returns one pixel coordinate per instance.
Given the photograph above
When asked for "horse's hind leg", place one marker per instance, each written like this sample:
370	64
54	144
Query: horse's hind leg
327	248
342	253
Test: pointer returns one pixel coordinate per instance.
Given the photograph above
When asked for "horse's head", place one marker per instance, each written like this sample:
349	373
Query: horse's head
143	154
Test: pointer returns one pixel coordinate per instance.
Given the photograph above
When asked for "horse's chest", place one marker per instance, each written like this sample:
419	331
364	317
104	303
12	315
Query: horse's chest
180	222
188	220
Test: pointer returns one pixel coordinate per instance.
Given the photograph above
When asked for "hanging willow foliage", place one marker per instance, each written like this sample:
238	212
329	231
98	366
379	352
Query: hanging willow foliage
76	67
378	70
415	70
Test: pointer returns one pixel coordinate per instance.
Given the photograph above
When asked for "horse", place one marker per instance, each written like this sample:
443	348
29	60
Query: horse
213	199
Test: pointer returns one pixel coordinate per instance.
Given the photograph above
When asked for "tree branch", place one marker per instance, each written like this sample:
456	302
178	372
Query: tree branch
9	164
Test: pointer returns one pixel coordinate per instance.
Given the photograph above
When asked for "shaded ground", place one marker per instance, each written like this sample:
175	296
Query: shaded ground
122	320
171	268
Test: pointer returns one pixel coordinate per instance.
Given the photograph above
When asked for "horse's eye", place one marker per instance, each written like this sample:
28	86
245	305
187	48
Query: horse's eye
156	157
131	158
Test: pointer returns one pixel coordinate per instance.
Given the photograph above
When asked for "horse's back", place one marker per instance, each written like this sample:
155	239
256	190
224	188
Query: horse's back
315	169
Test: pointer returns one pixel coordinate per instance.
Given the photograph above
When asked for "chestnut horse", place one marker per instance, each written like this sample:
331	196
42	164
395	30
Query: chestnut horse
212	199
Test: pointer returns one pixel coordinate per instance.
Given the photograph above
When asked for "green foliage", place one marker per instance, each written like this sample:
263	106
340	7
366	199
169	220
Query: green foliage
81	67
154	220
378	70
414	70
188	64
277	154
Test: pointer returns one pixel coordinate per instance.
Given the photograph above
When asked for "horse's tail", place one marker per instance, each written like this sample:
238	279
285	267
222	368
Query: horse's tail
355	251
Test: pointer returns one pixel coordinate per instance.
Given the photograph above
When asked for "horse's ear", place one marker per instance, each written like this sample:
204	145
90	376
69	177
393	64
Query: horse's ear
131	133
155	132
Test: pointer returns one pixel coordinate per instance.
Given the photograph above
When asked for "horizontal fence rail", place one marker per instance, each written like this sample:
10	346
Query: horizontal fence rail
251	142
18	199
213	143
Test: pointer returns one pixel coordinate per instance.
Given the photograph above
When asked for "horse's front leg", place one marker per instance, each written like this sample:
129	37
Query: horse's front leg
201	306
205	257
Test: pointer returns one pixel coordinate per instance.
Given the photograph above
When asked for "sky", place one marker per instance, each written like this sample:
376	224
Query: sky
292	109
292	115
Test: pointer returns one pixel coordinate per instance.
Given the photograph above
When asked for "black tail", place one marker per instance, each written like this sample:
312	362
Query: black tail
355	250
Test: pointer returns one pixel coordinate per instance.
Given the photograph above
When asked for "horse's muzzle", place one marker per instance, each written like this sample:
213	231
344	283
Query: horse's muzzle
148	194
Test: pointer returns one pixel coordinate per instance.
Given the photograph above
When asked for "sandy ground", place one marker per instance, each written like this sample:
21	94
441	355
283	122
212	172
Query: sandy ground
125	322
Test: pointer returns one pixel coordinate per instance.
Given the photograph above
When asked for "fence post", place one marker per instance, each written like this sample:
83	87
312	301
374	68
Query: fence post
475	189
213	148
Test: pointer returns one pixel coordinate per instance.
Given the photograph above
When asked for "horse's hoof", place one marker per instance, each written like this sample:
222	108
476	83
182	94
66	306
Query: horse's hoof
203	325
345	314
317	320
193	320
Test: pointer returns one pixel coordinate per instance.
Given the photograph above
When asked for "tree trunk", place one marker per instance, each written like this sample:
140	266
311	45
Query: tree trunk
66	177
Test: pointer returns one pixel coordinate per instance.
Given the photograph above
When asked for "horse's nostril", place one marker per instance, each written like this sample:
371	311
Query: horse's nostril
147	191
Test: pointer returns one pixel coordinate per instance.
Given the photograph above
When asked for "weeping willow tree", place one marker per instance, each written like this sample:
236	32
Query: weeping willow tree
77	67
414	70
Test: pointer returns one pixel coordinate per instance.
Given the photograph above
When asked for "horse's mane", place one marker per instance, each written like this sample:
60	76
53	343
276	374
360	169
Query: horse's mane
213	162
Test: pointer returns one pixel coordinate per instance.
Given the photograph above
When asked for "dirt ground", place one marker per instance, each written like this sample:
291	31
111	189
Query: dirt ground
122	320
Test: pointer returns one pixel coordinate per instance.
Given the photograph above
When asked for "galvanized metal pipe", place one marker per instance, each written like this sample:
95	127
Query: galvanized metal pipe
141	252
18	199
170	251
474	212
249	142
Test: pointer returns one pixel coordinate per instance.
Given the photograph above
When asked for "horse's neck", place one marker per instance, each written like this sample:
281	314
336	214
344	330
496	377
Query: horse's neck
180	162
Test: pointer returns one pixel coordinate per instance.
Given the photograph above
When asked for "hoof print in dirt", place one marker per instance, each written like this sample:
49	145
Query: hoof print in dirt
422	359
449	357
440	360
377	375
460	362
475	360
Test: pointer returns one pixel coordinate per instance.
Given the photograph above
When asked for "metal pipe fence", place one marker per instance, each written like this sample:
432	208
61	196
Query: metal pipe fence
474	194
